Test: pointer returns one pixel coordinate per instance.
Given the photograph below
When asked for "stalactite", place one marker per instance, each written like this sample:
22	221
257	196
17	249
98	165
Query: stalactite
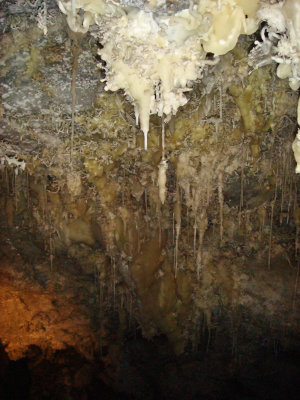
290	201
297	221
130	310
159	219
51	247
45	202
114	283
177	213
162	169
73	94
162	180
146	202
202	226
221	203
15	175
173	228
7	181
51	243
271	233
262	214
273	202
194	236
296	286
220	101
28	191
138	237
76	50
241	205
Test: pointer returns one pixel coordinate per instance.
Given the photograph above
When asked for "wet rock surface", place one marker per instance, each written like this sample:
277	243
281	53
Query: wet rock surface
104	289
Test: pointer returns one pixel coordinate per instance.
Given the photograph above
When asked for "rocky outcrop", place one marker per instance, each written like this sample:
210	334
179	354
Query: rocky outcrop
90	257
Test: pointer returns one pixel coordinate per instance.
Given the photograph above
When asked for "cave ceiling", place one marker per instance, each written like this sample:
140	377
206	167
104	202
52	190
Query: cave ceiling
148	183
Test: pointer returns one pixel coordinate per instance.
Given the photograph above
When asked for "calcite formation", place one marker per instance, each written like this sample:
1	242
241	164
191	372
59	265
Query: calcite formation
155	55
185	255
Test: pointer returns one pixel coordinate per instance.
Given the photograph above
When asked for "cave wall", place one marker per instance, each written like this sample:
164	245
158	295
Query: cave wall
90	255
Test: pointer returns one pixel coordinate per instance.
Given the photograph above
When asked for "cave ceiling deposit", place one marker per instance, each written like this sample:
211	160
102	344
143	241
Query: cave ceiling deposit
147	165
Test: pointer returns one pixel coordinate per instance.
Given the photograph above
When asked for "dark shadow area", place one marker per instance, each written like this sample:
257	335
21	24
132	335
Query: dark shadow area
15	380
150	370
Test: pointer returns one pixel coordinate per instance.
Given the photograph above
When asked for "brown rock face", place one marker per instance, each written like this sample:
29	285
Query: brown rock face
105	290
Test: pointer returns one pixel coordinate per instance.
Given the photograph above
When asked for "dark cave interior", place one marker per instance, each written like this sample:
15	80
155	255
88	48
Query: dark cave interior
166	273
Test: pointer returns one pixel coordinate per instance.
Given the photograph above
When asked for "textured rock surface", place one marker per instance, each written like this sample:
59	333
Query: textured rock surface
90	258
35	312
